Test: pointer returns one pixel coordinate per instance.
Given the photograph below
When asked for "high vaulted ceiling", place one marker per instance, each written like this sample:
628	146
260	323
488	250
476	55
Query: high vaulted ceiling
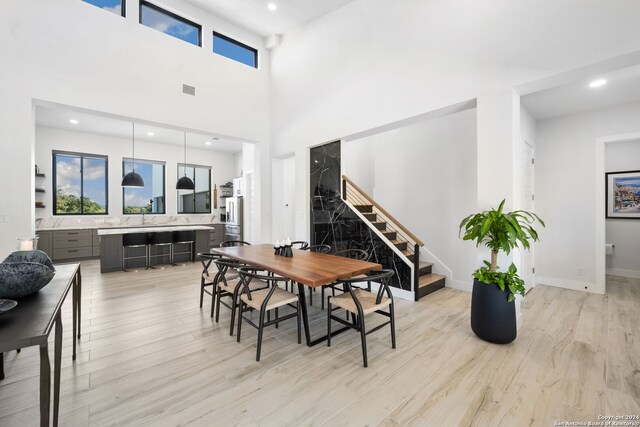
254	16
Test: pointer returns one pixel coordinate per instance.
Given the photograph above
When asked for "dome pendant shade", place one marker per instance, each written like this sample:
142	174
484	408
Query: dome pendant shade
132	180
185	183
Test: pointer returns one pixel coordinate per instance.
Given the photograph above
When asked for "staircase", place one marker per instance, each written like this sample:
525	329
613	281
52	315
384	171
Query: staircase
395	235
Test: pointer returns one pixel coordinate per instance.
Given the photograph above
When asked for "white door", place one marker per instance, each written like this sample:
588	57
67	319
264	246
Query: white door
283	198
527	271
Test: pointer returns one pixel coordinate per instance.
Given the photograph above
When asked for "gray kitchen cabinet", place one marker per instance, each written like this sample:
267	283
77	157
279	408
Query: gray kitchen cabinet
45	242
72	244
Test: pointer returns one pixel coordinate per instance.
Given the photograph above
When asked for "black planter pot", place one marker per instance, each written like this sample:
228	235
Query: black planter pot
493	318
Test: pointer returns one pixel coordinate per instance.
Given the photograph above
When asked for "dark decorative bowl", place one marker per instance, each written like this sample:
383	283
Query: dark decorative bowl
6	305
25	272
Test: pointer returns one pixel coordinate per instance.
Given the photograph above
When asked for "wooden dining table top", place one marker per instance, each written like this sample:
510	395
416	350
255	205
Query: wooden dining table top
309	268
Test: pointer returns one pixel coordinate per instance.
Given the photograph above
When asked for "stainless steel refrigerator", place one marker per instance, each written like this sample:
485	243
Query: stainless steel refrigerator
233	226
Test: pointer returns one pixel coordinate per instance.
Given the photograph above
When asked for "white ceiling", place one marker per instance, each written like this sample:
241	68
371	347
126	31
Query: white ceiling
91	123
254	16
623	86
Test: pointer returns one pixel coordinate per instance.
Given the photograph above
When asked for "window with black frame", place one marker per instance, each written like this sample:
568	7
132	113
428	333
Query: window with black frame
199	200
169	23
114	6
80	184
151	198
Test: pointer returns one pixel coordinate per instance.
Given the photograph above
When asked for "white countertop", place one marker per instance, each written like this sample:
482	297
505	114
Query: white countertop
108	227
159	229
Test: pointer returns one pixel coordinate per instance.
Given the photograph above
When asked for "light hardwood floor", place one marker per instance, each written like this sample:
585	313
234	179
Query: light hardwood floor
150	356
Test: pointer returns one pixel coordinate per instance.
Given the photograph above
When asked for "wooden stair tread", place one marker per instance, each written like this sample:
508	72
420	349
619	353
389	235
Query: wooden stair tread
429	279
424	264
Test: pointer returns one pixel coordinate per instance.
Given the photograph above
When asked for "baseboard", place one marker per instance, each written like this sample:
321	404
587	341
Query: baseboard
567	284
633	274
460	285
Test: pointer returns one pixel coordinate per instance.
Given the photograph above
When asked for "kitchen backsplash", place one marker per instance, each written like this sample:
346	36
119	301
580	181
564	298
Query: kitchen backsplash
123	221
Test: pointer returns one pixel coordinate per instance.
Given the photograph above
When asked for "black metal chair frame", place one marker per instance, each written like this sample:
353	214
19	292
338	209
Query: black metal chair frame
383	277
321	249
246	275
358	254
303	245
229	243
224	264
206	259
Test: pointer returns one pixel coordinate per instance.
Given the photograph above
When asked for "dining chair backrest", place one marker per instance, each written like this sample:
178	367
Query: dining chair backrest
206	258
301	243
383	277
358	254
228	243
247	274
321	249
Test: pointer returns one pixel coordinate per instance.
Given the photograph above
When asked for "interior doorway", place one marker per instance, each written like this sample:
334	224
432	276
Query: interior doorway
527	269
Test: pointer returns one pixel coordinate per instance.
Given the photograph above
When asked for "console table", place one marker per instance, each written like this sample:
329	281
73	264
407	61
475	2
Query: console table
31	322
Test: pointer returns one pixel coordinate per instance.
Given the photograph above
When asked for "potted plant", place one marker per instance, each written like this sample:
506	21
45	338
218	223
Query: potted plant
493	315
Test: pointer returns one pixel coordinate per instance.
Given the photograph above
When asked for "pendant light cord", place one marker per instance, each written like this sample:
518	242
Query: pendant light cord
133	138
185	154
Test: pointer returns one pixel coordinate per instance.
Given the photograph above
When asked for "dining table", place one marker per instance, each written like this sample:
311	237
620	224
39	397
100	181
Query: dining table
307	269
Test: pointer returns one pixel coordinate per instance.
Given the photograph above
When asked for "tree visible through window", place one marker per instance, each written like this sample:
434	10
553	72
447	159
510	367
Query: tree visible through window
80	184
150	198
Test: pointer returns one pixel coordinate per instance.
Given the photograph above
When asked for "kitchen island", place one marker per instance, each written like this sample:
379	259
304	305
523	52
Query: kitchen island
111	243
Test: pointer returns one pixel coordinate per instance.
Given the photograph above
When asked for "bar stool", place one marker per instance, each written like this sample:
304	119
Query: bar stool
161	240
184	237
136	240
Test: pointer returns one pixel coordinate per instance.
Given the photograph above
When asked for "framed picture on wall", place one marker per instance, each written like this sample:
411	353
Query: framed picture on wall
623	194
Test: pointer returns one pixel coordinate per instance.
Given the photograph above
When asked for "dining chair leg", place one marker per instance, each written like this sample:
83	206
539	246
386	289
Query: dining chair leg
322	297
363	338
240	309
328	323
218	298
310	296
393	326
260	330
276	317
299	323
201	291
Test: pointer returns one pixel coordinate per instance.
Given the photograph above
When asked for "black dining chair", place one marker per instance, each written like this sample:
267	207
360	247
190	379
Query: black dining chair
230	243
300	244
321	249
360	302
229	285
208	278
264	300
358	254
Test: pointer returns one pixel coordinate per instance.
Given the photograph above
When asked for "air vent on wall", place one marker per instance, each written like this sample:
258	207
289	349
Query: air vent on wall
189	90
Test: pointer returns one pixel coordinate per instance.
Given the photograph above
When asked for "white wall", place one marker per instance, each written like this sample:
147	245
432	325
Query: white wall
424	174
375	62
565	181
73	53
223	169
623	233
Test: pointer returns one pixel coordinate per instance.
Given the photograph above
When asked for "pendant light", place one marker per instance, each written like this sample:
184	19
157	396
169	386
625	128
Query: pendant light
132	179
185	183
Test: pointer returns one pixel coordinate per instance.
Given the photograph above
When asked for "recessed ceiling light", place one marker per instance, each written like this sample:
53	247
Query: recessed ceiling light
597	83
272	7
150	133
215	138
207	143
73	121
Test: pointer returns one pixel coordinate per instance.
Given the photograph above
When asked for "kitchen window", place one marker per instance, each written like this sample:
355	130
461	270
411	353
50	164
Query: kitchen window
233	49
196	201
151	198
167	22
80	184
114	6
